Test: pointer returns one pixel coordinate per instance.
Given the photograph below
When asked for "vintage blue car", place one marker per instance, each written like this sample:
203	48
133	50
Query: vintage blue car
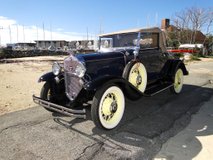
129	64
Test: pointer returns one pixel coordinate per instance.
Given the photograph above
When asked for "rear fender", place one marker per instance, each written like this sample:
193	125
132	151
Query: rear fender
171	66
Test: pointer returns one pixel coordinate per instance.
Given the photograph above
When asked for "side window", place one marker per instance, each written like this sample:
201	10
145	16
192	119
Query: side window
106	42
149	40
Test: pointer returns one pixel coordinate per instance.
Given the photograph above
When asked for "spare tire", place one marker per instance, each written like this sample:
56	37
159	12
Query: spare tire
135	73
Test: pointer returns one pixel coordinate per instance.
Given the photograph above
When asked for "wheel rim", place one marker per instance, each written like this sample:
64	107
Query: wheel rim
111	107
48	94
178	83
138	76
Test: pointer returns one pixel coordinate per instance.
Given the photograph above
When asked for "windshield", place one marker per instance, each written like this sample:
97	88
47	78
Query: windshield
119	40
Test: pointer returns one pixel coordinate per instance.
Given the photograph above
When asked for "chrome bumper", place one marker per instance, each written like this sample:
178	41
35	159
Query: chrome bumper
60	109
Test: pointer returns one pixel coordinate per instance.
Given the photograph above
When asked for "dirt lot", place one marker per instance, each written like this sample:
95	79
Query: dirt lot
18	81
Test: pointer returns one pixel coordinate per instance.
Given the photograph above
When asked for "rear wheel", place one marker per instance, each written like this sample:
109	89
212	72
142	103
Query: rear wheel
108	107
178	82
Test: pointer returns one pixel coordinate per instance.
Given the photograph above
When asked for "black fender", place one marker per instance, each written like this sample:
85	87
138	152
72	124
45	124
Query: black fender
56	84
47	77
171	67
126	69
130	91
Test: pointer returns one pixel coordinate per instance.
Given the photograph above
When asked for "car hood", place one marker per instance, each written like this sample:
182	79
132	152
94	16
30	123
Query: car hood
103	55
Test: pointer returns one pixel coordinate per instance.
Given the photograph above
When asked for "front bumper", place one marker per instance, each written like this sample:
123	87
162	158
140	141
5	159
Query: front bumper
59	108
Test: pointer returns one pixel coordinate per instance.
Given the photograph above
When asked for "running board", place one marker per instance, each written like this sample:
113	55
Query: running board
60	109
157	90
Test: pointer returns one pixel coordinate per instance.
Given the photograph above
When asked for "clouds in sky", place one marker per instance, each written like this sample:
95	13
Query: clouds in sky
12	32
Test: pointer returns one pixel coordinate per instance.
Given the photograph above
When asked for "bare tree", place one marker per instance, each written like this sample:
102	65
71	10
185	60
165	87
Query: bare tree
198	18
182	23
191	20
209	25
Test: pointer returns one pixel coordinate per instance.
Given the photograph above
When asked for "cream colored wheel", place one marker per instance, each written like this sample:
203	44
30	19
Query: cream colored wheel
138	76
108	107
178	81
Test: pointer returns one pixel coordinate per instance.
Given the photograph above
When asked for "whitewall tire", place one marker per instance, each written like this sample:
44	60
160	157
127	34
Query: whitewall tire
108	107
178	82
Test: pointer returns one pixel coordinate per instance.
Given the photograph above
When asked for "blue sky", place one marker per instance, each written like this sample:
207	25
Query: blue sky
69	16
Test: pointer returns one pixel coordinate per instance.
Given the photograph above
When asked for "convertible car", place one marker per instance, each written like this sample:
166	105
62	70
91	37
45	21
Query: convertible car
129	64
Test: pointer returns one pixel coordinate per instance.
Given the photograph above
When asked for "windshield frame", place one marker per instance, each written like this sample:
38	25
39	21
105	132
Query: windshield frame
112	36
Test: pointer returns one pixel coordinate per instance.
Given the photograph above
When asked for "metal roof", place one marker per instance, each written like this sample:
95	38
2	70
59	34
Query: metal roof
153	29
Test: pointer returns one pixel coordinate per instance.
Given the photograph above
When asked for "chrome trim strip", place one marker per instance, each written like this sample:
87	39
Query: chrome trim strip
104	59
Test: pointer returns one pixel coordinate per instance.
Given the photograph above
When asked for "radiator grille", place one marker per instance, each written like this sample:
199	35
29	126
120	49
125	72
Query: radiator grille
73	83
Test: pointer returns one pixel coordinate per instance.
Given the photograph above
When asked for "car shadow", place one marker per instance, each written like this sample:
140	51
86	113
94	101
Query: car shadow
150	122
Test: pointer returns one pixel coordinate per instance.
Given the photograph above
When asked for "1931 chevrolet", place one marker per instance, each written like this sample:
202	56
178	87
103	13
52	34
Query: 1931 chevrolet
129	64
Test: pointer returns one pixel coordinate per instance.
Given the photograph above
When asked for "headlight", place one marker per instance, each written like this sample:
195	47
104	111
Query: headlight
56	68
80	70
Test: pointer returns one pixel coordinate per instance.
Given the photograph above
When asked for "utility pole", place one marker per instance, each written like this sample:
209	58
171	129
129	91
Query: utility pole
17	32
44	45
23	35
43	32
51	34
37	36
87	33
10	34
0	34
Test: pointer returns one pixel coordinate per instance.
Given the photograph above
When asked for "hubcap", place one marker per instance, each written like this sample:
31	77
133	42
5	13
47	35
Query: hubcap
109	106
178	81
138	76
139	79
113	107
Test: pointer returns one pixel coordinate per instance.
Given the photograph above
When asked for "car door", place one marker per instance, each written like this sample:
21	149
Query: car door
151	55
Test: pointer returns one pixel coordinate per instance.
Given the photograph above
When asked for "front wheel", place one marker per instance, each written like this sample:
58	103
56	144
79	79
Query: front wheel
178	82
108	107
46	93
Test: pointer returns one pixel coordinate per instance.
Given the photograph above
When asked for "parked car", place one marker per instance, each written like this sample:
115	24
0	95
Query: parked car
130	64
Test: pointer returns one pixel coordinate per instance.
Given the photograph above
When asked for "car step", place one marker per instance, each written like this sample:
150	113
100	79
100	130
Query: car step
157	89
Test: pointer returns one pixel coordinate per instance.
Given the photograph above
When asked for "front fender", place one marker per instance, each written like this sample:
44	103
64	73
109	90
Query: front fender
47	77
99	82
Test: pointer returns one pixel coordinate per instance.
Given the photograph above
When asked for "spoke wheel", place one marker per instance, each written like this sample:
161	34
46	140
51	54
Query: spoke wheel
46	93
108	107
178	82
